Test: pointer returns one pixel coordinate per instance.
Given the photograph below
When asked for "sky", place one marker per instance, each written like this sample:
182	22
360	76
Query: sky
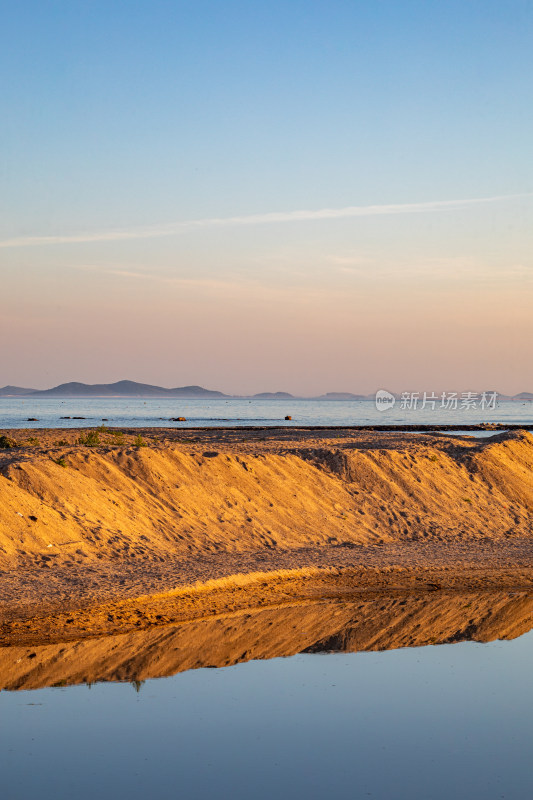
258	196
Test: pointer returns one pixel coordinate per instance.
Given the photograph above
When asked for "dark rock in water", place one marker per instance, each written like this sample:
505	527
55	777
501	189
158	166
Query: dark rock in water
288	417
79	417
105	419
32	419
178	419
64	417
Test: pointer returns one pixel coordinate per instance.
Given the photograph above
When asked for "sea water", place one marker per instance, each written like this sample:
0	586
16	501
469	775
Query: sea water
139	412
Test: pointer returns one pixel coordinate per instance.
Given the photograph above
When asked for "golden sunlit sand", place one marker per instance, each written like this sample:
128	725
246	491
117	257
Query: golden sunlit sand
158	526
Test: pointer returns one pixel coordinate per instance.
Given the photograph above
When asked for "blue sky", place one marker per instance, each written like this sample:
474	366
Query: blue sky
123	120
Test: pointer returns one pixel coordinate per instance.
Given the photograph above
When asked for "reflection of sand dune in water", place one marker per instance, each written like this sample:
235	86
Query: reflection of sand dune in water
369	623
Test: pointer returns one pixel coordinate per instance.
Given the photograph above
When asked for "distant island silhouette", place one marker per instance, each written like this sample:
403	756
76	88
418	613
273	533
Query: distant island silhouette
127	388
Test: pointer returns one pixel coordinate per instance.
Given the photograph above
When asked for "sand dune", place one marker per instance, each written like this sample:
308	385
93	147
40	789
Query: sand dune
82	525
177	500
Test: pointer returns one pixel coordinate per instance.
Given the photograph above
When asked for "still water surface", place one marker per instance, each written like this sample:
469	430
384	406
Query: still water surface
442	722
137	412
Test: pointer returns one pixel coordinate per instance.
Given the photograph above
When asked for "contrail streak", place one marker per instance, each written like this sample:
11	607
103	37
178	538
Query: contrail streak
276	217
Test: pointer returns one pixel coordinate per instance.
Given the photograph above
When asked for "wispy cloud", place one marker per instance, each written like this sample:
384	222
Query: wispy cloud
173	229
229	282
173	280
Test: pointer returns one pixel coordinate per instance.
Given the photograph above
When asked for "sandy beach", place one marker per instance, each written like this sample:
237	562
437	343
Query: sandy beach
123	533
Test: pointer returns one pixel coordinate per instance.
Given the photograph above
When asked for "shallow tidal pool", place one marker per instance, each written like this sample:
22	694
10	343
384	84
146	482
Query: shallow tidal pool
447	721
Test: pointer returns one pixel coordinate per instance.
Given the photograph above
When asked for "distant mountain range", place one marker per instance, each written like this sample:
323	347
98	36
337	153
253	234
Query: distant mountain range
119	389
272	396
134	389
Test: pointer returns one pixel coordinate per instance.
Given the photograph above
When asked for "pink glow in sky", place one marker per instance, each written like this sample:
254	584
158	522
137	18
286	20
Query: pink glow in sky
433	298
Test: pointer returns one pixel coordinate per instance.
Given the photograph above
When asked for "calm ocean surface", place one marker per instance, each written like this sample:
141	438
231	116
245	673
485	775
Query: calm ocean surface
433	723
137	412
